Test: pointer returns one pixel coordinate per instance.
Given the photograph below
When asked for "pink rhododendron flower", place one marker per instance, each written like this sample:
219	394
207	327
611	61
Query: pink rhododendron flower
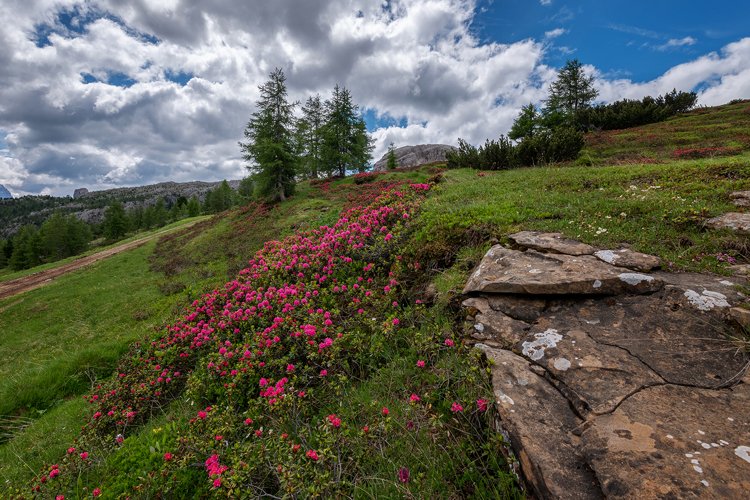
414	398
96	492
420	363
482	404
396	322
449	342
403	475
217	482
386	411
456	407
168	456
84	455
312	455
323	373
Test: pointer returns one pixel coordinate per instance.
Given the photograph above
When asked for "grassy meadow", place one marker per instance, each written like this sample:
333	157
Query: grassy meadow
627	188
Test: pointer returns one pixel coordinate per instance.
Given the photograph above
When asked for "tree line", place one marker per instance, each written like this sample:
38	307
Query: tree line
555	132
328	139
62	236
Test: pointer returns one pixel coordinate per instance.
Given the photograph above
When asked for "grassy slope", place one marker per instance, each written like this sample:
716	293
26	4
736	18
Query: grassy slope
726	126
656	208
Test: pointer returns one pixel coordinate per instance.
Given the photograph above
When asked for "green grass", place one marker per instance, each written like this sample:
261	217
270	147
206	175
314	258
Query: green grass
7	274
657	209
726	126
61	337
42	442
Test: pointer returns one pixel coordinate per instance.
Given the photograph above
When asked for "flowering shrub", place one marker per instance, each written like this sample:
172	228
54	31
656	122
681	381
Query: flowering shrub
264	362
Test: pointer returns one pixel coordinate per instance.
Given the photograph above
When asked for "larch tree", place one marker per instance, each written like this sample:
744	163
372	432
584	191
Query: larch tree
572	91
310	137
346	144
270	147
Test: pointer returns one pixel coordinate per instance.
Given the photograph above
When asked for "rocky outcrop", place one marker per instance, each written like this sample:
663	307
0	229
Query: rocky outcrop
413	156
734	221
740	198
624	391
4	193
80	192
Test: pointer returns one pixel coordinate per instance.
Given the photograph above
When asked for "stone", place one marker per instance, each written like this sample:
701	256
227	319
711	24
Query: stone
80	192
673	442
413	156
735	221
504	270
740	269
741	316
740	198
541	426
632	260
520	307
493	327
595	377
550	242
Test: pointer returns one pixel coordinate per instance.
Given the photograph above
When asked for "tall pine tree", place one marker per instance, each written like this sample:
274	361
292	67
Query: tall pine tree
572	91
310	137
346	145
270	147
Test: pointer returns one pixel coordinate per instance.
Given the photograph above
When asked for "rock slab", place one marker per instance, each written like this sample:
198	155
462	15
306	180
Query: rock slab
735	221
503	270
551	242
740	198
529	407
636	261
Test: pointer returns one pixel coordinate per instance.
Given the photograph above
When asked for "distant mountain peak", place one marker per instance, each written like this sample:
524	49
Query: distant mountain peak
4	193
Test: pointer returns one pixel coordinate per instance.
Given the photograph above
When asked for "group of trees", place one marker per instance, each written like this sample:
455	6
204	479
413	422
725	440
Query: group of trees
555	132
58	237
62	236
330	138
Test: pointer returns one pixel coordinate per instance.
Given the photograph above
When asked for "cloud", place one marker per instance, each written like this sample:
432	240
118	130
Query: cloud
545	2
105	93
673	43
555	33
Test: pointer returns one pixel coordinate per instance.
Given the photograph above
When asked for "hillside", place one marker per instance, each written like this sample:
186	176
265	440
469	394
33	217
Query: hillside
700	133
359	279
90	206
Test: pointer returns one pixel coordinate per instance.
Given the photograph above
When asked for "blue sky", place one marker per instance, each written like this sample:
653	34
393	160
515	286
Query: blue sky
109	93
629	38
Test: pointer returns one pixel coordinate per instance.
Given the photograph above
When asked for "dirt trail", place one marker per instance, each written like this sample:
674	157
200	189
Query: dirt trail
36	280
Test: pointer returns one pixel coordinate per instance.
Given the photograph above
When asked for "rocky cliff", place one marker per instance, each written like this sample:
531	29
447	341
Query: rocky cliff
412	156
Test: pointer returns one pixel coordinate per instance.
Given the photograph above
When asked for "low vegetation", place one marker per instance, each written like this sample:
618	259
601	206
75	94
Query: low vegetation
322	366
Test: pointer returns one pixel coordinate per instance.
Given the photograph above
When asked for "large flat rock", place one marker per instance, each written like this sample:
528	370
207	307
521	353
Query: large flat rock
595	377
541	427
735	221
503	270
551	242
673	442
623	257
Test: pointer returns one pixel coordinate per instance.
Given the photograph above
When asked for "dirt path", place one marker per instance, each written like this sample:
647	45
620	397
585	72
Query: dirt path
36	280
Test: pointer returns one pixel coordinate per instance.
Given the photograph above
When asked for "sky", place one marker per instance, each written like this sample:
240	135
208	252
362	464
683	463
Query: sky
110	93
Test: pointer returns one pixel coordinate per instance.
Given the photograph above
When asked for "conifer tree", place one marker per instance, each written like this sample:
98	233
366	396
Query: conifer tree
310	137
526	123
115	221
572	91
346	144
392	163
270	146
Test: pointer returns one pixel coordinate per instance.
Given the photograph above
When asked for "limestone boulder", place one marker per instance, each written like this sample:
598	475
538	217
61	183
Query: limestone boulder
734	221
412	156
550	242
740	198
493	327
503	270
636	261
